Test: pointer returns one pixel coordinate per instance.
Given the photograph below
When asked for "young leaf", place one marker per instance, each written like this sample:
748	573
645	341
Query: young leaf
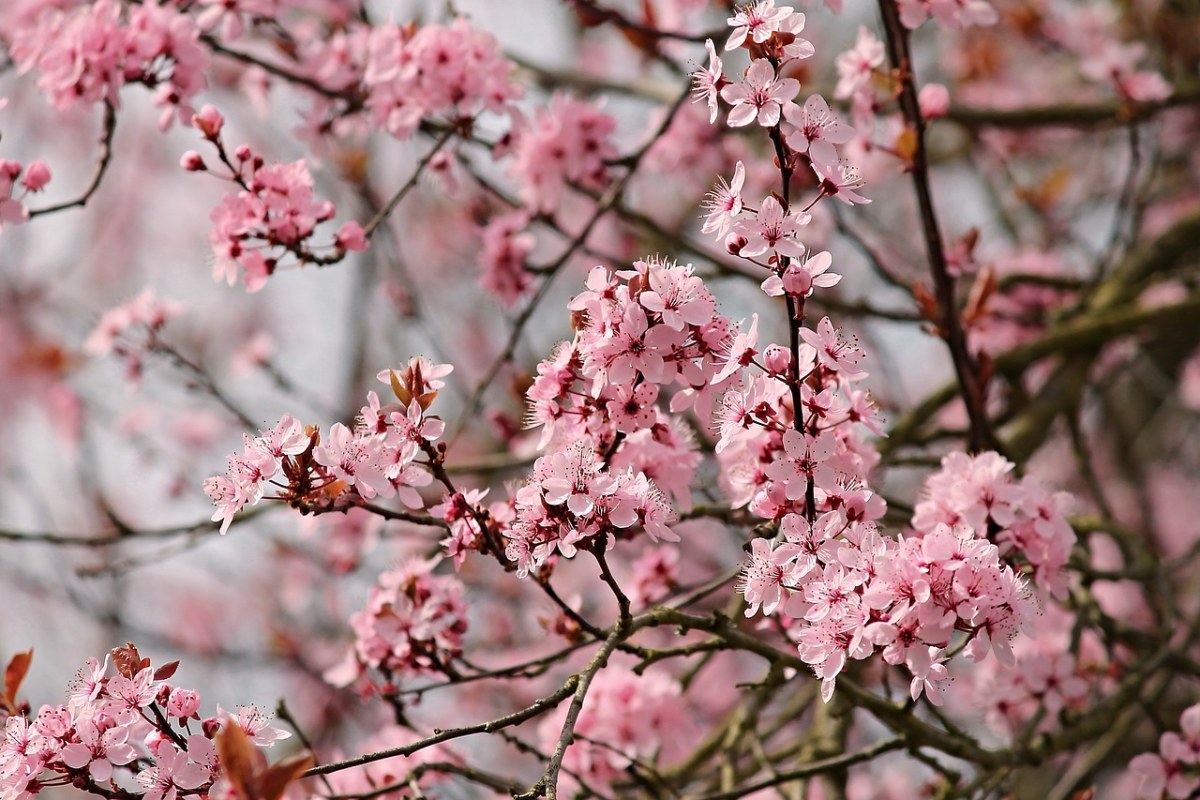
14	674
128	660
280	775
166	671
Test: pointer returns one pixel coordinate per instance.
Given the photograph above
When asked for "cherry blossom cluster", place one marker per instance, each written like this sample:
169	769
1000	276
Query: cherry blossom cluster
469	520
86	52
413	624
861	77
375	458
765	96
36	175
567	142
1023	517
408	75
808	134
574	500
1088	34
771	460
274	211
131	329
1051	674
505	247
951	14
790	427
133	722
850	592
637	330
626	719
1174	771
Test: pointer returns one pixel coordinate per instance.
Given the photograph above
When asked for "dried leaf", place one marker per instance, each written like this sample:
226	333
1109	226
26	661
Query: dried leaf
242	761
14	673
927	304
641	39
278	776
399	389
982	289
906	144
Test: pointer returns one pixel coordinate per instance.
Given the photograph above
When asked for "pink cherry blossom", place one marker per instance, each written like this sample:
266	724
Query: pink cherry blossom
814	129
834	352
801	275
724	203
772	229
707	83
856	66
758	22
760	95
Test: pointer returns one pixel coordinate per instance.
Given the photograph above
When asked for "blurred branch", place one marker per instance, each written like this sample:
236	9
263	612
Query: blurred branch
106	151
1072	115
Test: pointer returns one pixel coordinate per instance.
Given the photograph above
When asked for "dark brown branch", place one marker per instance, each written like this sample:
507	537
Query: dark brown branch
980	435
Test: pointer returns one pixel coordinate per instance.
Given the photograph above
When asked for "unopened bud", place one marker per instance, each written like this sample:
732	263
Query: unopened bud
776	359
37	175
192	162
210	122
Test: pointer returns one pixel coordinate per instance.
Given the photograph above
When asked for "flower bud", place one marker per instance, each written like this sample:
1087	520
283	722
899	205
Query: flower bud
776	359
37	175
351	237
934	100
183	703
192	162
210	122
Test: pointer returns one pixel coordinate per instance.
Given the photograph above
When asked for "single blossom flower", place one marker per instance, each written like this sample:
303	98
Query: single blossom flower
707	83
724	203
814	129
772	229
760	95
758	22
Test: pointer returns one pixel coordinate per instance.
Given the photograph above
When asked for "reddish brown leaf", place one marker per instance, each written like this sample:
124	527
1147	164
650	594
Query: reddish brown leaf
128	660
906	144
278	776
399	389
927	304
14	673
982	289
166	671
641	39
242	761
